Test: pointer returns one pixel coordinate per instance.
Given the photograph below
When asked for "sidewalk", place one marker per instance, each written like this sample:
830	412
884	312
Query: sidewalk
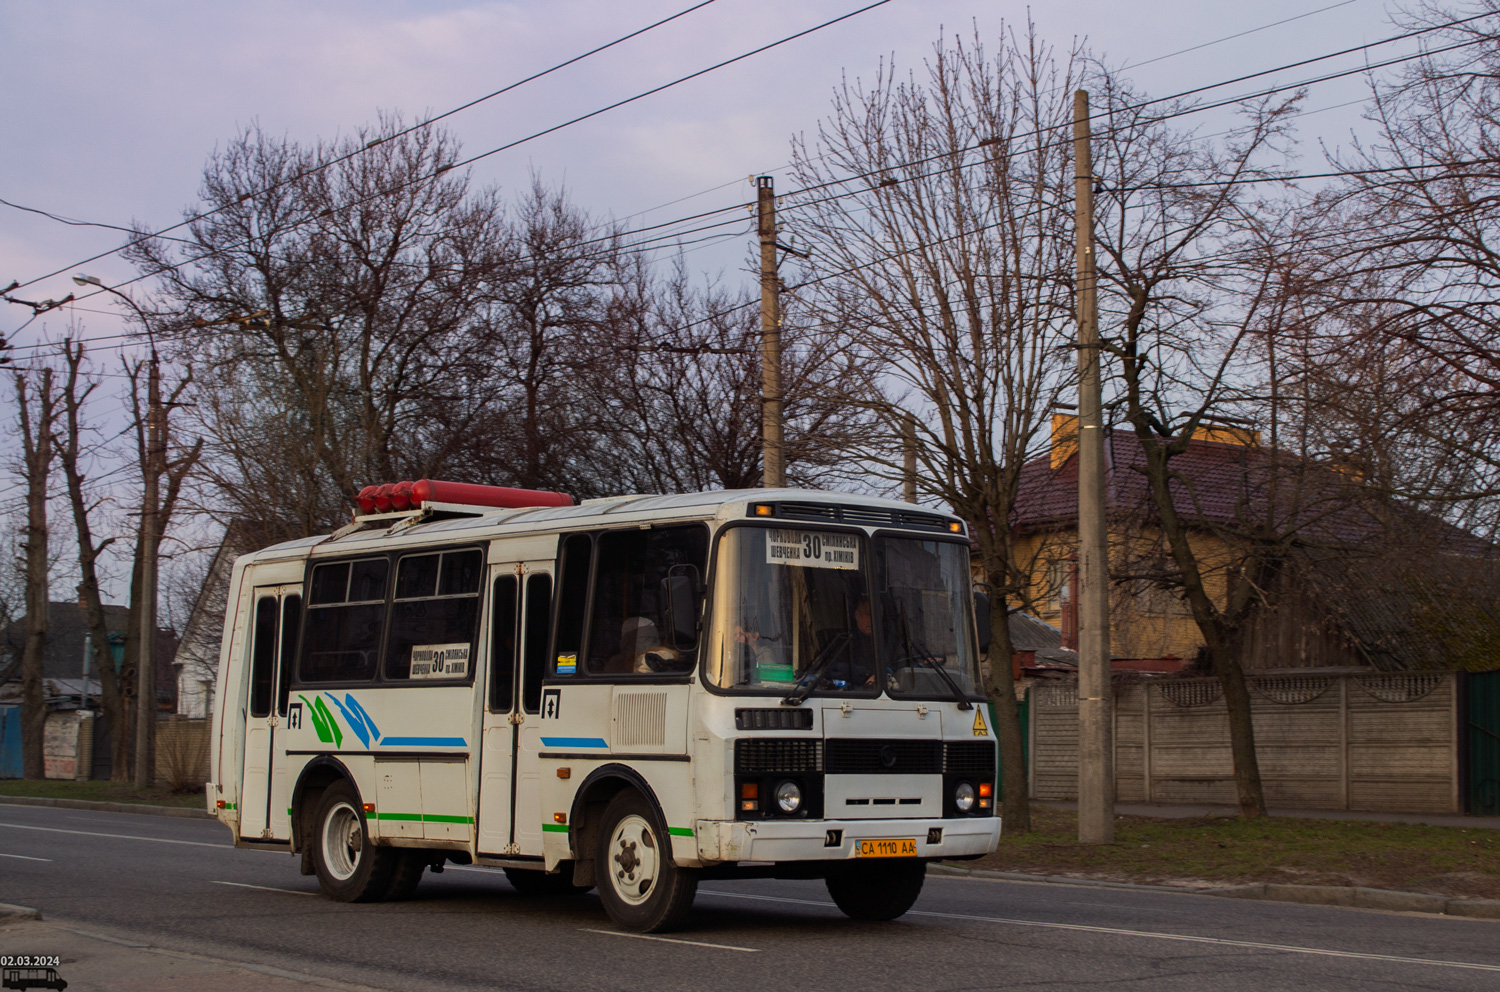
1188	811
89	960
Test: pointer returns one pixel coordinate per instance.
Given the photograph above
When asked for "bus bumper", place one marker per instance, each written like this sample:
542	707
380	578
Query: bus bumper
834	840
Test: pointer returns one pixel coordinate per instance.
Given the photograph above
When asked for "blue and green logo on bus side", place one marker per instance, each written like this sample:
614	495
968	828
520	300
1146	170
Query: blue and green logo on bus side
326	724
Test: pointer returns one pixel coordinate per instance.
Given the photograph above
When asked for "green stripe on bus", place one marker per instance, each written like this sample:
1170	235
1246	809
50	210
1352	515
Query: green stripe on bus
421	817
555	828
679	831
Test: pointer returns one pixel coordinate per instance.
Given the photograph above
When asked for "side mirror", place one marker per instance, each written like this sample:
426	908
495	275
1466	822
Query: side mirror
679	593
982	619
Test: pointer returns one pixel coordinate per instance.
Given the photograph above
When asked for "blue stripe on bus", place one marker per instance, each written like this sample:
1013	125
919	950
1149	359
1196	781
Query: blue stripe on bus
423	741
573	742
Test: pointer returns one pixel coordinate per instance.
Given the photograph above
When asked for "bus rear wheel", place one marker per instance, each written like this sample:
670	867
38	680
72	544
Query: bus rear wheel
877	891
641	887
349	866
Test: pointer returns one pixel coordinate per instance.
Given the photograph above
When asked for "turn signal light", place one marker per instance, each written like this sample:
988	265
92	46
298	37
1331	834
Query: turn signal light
219	804
986	789
559	818
369	807
749	796
565	772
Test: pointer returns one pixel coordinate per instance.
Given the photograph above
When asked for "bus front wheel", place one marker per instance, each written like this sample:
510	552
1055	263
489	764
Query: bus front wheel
640	886
349	866
881	891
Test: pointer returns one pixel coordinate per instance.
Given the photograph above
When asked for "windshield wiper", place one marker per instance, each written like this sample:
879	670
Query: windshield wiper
815	667
919	652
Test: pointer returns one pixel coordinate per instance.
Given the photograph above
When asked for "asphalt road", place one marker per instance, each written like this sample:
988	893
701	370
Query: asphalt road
178	884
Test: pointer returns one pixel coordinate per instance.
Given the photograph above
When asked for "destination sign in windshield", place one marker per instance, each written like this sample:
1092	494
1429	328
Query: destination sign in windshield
817	549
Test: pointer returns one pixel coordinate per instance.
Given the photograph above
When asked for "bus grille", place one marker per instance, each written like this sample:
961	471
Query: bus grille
858	756
774	756
969	757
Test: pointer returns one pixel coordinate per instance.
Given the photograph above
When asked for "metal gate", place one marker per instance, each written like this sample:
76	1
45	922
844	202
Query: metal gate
1483	743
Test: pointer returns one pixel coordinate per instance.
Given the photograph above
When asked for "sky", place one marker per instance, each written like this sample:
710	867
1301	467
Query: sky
111	109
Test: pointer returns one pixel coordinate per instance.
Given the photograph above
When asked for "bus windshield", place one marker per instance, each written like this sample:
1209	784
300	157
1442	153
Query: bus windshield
804	610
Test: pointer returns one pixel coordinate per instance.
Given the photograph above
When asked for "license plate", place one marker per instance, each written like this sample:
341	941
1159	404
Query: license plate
888	848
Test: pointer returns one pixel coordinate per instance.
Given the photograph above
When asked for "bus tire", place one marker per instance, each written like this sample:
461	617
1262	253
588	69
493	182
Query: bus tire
877	891
641	887
349	866
406	873
534	882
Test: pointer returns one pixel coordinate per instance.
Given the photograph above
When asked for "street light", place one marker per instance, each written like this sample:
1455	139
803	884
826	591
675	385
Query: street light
145	672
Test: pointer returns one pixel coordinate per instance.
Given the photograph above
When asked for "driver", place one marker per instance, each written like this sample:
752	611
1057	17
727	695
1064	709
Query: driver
641	649
855	664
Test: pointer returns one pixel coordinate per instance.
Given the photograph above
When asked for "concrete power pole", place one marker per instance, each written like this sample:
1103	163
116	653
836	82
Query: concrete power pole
773	454
1096	774
145	702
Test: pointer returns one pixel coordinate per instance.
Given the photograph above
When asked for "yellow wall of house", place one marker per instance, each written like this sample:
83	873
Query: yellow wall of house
1146	621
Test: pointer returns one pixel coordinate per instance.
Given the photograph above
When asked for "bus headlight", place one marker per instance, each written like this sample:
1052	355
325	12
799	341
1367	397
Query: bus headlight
788	797
963	797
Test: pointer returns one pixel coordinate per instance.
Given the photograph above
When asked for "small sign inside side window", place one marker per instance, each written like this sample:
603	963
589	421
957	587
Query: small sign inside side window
818	549
439	661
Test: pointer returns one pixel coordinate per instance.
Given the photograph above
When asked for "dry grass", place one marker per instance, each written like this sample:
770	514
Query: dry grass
1202	851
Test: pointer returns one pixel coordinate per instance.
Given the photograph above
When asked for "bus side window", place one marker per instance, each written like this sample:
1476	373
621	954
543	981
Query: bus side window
263	657
503	645
572	603
434	616
291	621
630	612
538	622
345	618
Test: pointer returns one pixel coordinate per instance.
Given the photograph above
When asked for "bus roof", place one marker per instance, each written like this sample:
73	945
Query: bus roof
796	506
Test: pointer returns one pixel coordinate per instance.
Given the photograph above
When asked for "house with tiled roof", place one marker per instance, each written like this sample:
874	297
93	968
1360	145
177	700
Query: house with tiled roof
1366	581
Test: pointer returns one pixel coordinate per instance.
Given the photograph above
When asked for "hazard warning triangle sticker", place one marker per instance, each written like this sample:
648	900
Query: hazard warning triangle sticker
980	730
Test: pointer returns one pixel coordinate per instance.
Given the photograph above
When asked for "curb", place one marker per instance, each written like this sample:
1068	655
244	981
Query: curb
16	914
109	807
1350	896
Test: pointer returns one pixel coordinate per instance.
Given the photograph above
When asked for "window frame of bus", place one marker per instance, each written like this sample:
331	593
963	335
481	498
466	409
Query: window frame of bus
711	619
390	556
477	595
564	609
979	695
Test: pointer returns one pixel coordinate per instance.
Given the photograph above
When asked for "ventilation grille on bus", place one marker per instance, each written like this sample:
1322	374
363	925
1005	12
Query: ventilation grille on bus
785	718
969	757
862	515
640	719
859	756
773	756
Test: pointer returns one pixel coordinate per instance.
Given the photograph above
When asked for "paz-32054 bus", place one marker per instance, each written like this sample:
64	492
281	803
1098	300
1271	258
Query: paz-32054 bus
632	693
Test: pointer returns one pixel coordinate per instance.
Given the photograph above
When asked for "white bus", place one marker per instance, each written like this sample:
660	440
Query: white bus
633	693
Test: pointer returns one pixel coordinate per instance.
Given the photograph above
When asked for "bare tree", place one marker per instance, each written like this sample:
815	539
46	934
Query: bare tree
72	453
945	261
1187	290
36	405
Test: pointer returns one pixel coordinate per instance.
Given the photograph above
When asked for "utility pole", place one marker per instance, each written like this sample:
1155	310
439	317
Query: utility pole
1096	774
145	671
773	455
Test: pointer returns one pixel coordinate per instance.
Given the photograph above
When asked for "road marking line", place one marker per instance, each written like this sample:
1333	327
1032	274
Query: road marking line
266	888
23	857
671	940
90	833
1188	938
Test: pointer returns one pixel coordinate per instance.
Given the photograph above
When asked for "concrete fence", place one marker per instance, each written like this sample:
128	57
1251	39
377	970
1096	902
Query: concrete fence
1378	742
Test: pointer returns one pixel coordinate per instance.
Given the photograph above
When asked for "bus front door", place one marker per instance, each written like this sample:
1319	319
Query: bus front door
509	776
275	616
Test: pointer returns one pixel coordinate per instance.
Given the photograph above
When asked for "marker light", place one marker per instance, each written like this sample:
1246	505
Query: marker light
955	527
765	510
749	796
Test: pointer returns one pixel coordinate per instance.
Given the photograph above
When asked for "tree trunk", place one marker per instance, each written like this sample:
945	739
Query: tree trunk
1016	787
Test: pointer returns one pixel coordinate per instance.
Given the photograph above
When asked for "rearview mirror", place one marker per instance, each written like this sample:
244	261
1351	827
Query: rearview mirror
982	618
679	593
